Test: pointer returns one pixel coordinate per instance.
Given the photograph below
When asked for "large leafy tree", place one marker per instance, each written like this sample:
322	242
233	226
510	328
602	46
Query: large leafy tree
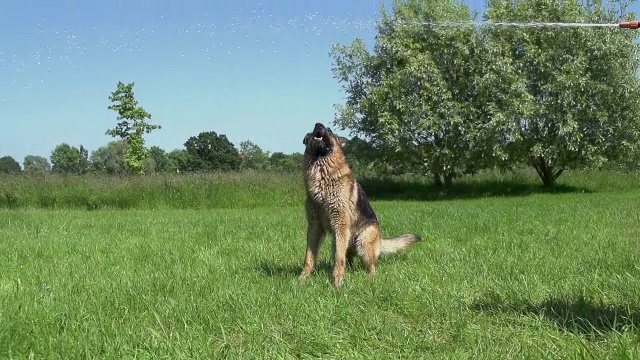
581	84
213	152
133	124
425	97
36	165
9	165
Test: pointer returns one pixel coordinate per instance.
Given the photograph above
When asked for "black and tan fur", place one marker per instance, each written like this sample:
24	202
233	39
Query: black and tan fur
336	204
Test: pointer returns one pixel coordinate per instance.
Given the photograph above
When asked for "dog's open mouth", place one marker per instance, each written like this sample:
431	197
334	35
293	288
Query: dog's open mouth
317	135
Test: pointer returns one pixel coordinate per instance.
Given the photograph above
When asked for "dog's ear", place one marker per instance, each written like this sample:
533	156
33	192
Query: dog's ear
305	139
342	141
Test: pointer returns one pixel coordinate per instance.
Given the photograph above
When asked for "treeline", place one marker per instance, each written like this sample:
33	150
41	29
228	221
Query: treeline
206	152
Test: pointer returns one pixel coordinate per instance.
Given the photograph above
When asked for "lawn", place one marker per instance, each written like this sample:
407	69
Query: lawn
527	275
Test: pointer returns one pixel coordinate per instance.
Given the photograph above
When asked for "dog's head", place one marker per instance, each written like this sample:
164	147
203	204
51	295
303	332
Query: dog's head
322	141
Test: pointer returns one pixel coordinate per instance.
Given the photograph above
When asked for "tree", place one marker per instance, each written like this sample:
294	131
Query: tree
286	162
84	164
364	158
149	166
253	157
36	165
9	165
213	152
160	159
66	159
180	160
134	122
581	85
110	159
425	98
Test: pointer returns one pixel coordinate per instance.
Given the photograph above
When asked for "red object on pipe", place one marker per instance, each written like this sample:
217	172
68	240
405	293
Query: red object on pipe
629	25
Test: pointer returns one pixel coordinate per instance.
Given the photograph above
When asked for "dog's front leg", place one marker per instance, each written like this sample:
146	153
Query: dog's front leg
314	238
315	234
341	242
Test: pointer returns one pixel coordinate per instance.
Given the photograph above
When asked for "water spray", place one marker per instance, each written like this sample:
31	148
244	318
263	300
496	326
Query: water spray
633	25
623	25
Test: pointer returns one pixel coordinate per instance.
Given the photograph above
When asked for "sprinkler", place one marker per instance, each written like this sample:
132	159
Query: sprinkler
629	25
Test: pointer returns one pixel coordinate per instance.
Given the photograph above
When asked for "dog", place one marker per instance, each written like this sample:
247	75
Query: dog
336	204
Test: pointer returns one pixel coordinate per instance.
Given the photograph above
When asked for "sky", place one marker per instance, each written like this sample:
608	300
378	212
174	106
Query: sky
254	70
249	69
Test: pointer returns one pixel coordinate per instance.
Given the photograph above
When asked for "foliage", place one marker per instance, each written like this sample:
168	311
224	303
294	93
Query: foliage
212	152
451	100
161	160
286	162
68	160
181	160
364	159
134	123
109	159
36	165
253	157
581	85
84	163
425	98
9	165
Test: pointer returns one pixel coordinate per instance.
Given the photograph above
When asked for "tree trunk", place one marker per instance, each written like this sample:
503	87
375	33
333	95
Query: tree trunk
443	182
547	173
437	180
448	180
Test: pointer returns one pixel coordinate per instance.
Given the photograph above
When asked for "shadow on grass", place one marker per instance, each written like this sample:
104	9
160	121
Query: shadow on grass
577	315
394	189
272	269
323	267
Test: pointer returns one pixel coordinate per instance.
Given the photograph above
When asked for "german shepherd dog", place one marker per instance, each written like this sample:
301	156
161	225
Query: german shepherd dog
336	204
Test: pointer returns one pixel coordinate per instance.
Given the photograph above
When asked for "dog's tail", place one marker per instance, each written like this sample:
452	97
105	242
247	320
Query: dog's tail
396	244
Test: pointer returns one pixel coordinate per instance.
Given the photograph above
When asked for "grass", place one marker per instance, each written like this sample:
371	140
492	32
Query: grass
259	190
502	274
199	191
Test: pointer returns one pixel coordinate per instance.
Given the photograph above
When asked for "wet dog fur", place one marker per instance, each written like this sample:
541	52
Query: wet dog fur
336	204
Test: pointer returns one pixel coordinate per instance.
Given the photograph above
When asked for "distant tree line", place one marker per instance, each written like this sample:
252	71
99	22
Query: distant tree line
203	153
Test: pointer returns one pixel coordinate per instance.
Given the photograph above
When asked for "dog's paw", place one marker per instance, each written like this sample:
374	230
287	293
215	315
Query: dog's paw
304	276
338	281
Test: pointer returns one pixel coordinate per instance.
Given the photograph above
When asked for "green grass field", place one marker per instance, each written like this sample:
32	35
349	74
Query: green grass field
207	268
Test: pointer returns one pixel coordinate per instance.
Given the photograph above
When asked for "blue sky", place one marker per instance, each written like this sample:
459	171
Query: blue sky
250	69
